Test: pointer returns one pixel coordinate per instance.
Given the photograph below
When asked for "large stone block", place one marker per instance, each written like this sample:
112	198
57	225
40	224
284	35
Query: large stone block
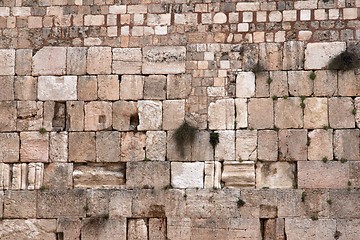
270	56
25	88
173	114
341	112
241	111
316	113
300	83
82	147
9	147
20	204
267	145
125	116
147	174
58	176
133	146
245	84
156	145
34	147
225	150
238	174
293	53
7	62
174	150
346	144
108	146
8	116
325	83
127	60
120	204
108	87
349	228
75	115
345	204
349	83
155	87
87	88
31	229
321	145
76	60
246	145
7	88
99	60
49	61
23	62
70	228
98	175
131	87
30	115
300	228
98	116
288	113
187	175
103	228
275	175
58	151
178	86
150	115
279	84
318	55
201	149
293	145
261	113
221	114
164	60
57	88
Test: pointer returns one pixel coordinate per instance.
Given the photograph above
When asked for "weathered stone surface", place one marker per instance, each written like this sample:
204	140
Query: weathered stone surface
279	84
288	113
34	147
164	60
7	88
261	113
293	145
155	87
187	175
28	229
120	204
87	88
221	114
61	203
325	83
75	115
300	83
357	115
173	152
346	144
275	175
58	151
178	86
225	150
157	228
137	229
345	204
82	147
35	176
131	87
201	149
341	112
321	145
8	116
107	146
245	84
173	114
349	228
241	111
246	145
25	88
30	115
127	60
76	60
267	145
49	61
9	147
133	146
316	113
58	176
270	56
103	228
98	116
98	202
20	204
156	145
125	115
318	55
147	174
150	115
108	87
293	53
99	60
70	228
238	174
349	83
23	62
7	63
299	228
57	88
262	84
97	175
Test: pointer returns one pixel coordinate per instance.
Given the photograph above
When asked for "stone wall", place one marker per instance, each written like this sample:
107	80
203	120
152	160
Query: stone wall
178	119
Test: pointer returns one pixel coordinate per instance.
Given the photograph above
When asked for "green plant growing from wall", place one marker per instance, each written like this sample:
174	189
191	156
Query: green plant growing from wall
42	130
344	61
240	203
312	75
183	135
214	139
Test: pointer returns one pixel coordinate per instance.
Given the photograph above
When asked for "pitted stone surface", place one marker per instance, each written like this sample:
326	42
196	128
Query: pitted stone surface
57	88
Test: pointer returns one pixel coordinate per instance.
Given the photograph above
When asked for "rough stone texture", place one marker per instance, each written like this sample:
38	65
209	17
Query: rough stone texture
20	204
75	115
9	147
293	53
300	83
58	176
238	174
28	229
58	150
279	84
178	86
107	146
30	115
288	113
76	60
25	88
103	228
270	56
131	87
49	61
246	145
340	113
99	60
241	111
108	87
98	116
7	89
346	144
222	114
318	55
267	148
325	83
137	229
156	145
57	88
133	146
147	174
23	61
201	149
261	113
87	88
173	152
316	113
175	109
34	147
187	175
150	115
82	147
357	115
297	228
321	145
225	150
8	116
155	87
292	145
275	175
349	83
127	60
245	84
125	115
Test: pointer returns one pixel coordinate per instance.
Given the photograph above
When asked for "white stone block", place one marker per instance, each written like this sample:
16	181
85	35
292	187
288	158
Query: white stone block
222	114
187	175
150	115
318	55
245	84
7	61
49	61
57	88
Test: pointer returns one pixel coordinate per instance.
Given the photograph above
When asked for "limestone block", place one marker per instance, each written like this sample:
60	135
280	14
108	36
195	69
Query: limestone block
201	149
292	145
5	181
103	228
245	84
57	88
108	87
179	228
9	147
75	115
155	87
35	175
156	145
7	88
325	83
7	63
187	175
225	150
346	144
341	112
279	84
150	115
28	229
178	86
316	113
357	115
76	60
349	228
293	53
58	151
173	114
70	228
267	145
246	145
98	175
16	177
318	55
133	146
157	228
164	60
261	114
317	174
120	67
238	174
58	176
125	115
30	115
98	116
300	83
262	85
108	146
99	60
61	203
82	147
345	204
354	174
131	87
137	229
275	175
25	88
173	152
300	228
321	144
8	116
127	54
87	88
241	110
120	204
270	56
288	113
49	61
147	174
349	83
221	114
34	147
20	204
23	62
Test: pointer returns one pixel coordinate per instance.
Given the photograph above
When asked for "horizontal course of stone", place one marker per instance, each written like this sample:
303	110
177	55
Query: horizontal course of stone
93	94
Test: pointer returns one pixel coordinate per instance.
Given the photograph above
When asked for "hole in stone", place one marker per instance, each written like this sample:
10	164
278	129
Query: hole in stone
134	121
102	119
60	236
59	119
